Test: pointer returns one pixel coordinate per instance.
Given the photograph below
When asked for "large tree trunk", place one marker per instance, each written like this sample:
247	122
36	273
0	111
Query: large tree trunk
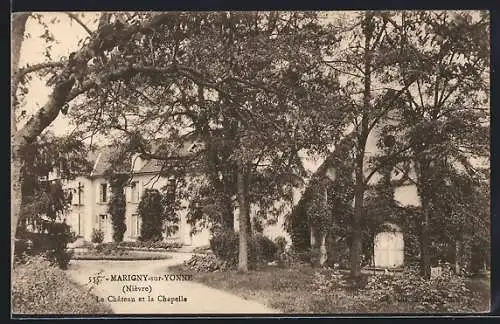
314	246
247	207
425	259
243	220
60	95
359	187
228	214
424	189
17	35
323	253
458	253
355	251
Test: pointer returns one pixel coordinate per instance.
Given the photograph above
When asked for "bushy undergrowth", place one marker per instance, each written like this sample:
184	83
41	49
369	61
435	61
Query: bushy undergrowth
52	245
225	246
151	245
39	288
148	245
97	236
202	250
206	263
446	293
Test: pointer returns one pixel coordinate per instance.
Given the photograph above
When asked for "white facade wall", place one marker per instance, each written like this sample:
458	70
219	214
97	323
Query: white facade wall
92	208
88	215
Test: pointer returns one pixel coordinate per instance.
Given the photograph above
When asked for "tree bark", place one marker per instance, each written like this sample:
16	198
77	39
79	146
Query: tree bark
323	255
425	259
424	188
314	247
60	95
17	36
243	220
228	214
313	237
359	188
356	232
458	251
247	206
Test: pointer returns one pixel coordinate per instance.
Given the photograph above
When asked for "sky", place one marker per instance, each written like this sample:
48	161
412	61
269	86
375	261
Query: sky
67	34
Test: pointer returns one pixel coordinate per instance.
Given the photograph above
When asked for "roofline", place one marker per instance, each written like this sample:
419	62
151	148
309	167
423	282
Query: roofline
95	163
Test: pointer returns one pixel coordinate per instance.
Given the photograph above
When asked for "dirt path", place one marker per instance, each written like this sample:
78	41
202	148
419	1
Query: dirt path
166	296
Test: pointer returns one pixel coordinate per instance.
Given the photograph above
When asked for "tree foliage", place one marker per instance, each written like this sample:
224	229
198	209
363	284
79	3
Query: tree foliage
154	210
117	205
259	89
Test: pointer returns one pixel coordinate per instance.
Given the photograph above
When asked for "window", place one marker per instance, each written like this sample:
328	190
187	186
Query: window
134	192
135	226
103	194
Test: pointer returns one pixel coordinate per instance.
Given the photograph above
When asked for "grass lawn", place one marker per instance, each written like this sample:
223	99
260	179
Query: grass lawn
121	255
289	290
38	288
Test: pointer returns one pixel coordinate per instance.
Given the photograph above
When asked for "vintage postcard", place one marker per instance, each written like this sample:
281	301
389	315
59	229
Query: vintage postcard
271	162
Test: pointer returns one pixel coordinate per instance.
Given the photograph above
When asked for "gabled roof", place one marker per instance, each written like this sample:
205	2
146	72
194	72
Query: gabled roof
102	157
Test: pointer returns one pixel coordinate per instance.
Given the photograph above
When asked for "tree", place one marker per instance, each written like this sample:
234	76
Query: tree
247	97
443	120
365	60
71	77
117	205
64	155
150	209
18	26
325	204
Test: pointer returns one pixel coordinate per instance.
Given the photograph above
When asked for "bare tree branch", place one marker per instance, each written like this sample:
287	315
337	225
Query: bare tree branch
37	67
79	21
380	165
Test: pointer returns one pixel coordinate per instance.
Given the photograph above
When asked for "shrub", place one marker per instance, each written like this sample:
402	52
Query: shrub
202	250
39	288
206	263
280	243
117	205
52	245
97	236
263	248
442	293
150	245
225	246
445	293
299	257
109	249
151	211
60	235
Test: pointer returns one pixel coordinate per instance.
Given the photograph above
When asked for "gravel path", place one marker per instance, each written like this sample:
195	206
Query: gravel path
165	296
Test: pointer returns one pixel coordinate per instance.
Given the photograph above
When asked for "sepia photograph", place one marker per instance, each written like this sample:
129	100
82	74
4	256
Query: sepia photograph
250	162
